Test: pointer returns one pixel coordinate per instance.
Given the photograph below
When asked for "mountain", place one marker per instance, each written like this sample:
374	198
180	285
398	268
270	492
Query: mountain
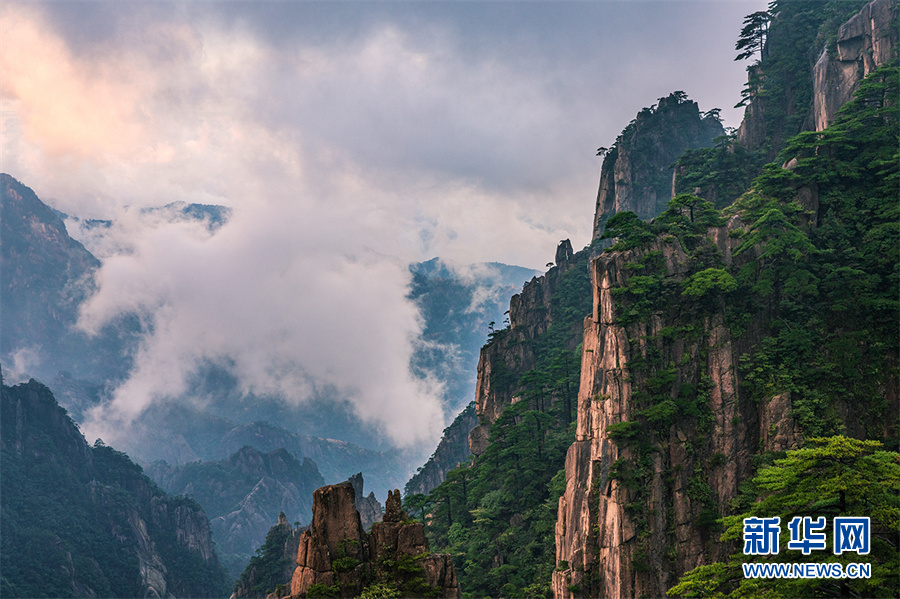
276	559
636	175
337	558
273	563
739	356
452	450
44	277
83	521
460	305
242	496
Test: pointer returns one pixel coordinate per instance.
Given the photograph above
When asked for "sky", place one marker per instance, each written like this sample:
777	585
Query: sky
349	140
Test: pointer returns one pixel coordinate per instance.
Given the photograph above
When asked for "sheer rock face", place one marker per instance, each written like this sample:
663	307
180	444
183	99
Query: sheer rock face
600	550
510	355
336	550
452	451
595	535
636	174
865	42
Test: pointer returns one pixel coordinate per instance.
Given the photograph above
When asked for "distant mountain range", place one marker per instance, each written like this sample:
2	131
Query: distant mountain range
45	275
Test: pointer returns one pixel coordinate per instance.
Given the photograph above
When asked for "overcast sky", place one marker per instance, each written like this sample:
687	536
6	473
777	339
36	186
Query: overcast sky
349	139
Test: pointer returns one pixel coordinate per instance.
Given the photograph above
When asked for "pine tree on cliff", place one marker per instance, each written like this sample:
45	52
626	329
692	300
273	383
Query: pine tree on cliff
753	36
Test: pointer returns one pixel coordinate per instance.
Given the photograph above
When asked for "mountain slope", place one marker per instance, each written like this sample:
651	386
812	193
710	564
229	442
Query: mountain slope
82	521
243	494
44	276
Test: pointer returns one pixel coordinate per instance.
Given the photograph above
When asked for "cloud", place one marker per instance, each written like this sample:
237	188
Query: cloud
349	141
274	298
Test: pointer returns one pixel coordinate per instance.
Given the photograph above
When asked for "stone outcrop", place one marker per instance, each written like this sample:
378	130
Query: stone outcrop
865	42
452	451
368	506
511	353
636	174
336	552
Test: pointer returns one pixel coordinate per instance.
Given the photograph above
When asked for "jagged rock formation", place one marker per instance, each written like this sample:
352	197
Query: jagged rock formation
335	552
243	494
636	174
513	352
274	565
865	42
368	506
104	529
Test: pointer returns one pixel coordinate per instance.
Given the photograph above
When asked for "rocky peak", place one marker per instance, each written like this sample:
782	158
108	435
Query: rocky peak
563	251
636	175
392	510
368	506
336	553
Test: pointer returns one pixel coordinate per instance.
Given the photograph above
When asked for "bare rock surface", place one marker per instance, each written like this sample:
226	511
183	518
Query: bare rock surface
337	551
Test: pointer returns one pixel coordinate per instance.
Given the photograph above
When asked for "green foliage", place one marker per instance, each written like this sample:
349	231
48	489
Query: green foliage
834	476
67	506
324	591
405	575
830	290
753	36
502	508
794	40
379	590
720	173
628	230
709	281
344	564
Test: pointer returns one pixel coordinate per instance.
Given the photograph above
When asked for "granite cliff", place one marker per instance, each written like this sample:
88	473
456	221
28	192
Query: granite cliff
636	175
337	556
864	43
533	314
678	402
452	450
275	560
